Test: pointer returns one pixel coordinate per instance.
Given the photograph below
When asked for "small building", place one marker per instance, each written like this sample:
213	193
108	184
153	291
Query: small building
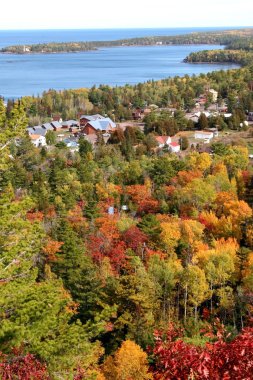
137	114
38	140
174	147
250	116
57	118
214	94
204	135
163	140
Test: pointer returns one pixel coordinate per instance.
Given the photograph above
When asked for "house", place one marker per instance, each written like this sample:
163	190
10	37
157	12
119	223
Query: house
163	140
84	119
174	147
136	114
204	135
38	140
57	118
214	94
37	130
104	125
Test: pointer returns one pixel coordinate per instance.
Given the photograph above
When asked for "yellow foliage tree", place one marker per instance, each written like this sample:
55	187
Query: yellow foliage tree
128	363
170	234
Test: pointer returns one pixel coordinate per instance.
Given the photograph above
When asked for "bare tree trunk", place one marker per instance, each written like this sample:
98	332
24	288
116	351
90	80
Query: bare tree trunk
185	304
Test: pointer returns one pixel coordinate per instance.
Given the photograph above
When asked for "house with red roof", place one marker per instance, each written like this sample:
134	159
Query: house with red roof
166	141
163	140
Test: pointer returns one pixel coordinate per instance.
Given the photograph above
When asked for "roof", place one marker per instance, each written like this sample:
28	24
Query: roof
40	131
56	124
161	139
37	130
205	133
35	137
102	125
70	123
174	144
47	126
92	117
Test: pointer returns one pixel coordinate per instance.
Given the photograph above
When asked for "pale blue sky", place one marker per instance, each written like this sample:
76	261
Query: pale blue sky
69	14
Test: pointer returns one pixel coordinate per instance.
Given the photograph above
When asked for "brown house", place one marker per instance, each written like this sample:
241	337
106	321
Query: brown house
105	125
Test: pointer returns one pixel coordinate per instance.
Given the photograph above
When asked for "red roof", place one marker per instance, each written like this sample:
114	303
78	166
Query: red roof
161	139
174	144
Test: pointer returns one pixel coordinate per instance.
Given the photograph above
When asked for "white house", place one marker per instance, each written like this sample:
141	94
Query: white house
163	140
38	140
204	135
174	147
214	94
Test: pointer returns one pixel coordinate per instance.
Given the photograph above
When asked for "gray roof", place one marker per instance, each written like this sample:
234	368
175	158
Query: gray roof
47	126
56	124
92	117
70	123
40	131
37	130
103	125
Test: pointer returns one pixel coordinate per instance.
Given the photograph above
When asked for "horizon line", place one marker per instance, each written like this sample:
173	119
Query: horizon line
129	28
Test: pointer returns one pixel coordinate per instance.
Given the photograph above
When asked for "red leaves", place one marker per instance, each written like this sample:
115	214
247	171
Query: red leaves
134	238
22	367
175	359
35	216
141	196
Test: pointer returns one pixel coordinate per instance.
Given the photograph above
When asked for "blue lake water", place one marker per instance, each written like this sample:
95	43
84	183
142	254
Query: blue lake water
32	74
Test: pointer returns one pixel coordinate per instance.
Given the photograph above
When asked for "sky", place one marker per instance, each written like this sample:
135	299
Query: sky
88	14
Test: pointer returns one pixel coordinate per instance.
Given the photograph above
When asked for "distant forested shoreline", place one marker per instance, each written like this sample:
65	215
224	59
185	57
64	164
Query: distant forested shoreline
232	39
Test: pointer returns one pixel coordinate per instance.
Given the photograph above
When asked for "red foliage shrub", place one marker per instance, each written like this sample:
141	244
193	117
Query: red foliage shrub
22	367
221	360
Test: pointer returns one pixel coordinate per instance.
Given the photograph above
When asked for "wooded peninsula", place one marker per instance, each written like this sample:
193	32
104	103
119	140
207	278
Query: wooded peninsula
235	40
